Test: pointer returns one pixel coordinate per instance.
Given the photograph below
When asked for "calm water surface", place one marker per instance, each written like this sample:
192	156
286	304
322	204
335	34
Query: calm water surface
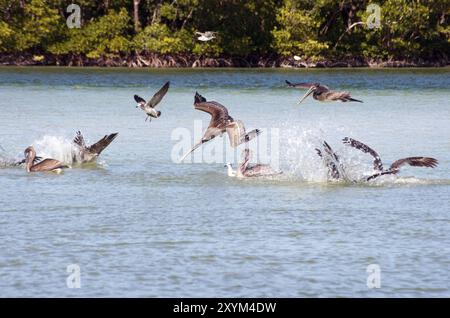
141	225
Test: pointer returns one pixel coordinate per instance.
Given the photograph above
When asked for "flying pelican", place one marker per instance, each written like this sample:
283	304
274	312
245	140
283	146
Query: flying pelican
220	123
149	107
84	154
322	93
206	36
395	167
245	170
42	166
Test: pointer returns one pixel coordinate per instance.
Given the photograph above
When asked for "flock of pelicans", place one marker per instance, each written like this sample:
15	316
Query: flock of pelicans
221	122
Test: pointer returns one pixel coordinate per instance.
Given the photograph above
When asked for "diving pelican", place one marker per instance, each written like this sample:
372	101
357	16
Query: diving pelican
332	162
42	166
149	107
84	154
246	170
395	167
322	93
220	123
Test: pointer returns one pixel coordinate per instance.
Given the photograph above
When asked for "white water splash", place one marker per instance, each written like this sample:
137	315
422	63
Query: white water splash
58	148
299	159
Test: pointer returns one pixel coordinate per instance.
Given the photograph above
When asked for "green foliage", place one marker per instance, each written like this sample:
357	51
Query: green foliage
313	29
39	26
157	38
105	36
5	36
408	29
297	32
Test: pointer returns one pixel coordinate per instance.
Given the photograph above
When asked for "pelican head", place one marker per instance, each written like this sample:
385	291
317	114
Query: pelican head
30	154
310	91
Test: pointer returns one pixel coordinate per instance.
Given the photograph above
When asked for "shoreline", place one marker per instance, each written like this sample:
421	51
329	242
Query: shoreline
191	61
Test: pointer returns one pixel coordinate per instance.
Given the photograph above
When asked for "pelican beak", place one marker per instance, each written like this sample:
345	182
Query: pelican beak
27	158
187	153
309	92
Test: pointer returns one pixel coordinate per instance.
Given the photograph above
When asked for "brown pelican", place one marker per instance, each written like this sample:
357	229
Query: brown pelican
84	154
149	107
332	162
395	167
323	93
42	166
206	36
246	170
220	123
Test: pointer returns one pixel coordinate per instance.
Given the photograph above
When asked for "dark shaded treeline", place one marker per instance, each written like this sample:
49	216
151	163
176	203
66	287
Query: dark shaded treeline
160	33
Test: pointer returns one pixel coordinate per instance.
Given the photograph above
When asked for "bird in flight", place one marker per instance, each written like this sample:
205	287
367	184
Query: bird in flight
322	93
149	107
220	123
206	36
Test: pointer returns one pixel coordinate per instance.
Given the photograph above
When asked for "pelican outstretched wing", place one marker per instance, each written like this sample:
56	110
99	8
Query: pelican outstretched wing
100	145
218	112
299	85
415	162
377	164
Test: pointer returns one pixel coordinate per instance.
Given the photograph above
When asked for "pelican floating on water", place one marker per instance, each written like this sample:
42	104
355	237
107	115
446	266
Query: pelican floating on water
246	170
206	36
395	167
220	123
33	165
149	107
84	154
322	93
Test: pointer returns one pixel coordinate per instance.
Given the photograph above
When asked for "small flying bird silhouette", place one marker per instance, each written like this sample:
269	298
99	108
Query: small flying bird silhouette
206	36
149	107
220	123
322	93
